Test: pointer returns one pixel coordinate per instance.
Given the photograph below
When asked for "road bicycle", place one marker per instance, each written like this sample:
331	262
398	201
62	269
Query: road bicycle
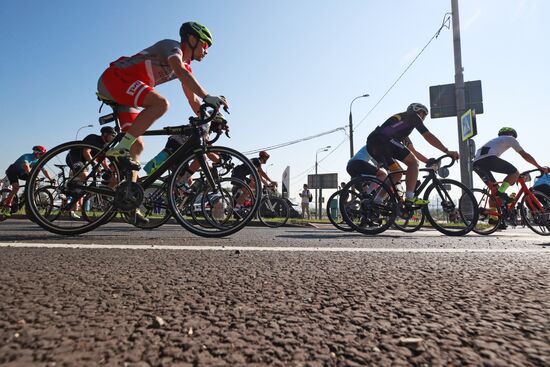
334	215
531	206
127	196
452	209
43	200
273	210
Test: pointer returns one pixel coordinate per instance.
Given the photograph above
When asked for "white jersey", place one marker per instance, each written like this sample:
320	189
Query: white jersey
497	146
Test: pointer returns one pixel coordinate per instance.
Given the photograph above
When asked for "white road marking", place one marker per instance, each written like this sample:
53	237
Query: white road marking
543	249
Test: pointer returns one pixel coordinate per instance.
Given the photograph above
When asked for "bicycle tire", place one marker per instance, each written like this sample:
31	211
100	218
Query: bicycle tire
155	199
3	195
486	222
467	208
218	206
367	205
63	224
277	215
228	159
538	222
343	226
409	228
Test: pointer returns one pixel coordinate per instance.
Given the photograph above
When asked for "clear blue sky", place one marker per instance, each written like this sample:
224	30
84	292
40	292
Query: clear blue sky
288	68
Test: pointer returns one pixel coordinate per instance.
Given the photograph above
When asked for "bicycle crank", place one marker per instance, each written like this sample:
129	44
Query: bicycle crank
128	196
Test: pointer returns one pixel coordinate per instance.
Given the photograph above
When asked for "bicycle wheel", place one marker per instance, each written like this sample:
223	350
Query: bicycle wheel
44	200
68	193
409	219
367	205
3	195
94	205
452	209
536	215
220	161
490	214
334	215
273	211
153	207
219	205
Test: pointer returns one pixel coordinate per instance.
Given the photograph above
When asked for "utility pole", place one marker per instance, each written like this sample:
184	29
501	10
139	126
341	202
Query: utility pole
351	150
464	149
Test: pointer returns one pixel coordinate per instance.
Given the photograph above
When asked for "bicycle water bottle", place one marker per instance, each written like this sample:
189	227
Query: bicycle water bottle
156	162
218	209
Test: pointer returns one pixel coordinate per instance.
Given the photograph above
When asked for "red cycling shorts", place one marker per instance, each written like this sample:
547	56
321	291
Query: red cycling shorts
128	91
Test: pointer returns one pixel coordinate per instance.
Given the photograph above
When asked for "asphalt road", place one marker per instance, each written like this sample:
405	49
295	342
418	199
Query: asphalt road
291	296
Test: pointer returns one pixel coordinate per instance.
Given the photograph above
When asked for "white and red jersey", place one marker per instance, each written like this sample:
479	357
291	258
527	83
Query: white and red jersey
151	65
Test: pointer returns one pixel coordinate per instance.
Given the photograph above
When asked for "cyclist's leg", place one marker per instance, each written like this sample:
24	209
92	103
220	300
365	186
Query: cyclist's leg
400	152
132	93
13	178
499	165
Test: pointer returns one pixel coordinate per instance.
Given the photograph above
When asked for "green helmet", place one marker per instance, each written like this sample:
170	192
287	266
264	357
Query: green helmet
508	131
197	30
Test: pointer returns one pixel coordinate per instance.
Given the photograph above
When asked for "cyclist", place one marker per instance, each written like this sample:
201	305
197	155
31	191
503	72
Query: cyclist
242	172
130	82
77	158
487	160
389	142
20	170
542	184
362	163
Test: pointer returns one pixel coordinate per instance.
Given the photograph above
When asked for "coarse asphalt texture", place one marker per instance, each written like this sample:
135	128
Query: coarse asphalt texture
282	297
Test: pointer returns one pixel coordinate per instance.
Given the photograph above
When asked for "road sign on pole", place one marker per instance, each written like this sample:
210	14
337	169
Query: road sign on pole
468	124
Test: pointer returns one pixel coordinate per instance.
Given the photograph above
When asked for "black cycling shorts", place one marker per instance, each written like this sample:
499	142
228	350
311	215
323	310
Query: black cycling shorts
485	166
14	176
386	150
358	167
74	165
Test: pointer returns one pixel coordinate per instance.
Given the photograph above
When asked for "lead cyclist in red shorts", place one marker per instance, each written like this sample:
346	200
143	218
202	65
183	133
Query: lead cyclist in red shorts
130	82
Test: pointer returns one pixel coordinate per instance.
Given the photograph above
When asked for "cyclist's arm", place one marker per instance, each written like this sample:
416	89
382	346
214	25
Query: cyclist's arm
87	153
264	177
436	143
47	174
529	158
26	167
187	79
421	157
194	100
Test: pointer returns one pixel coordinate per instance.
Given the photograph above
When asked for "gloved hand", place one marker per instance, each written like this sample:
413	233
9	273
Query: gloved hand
218	124
215	101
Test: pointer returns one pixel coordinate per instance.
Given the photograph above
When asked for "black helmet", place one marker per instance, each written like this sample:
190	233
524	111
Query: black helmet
508	131
416	107
197	30
108	130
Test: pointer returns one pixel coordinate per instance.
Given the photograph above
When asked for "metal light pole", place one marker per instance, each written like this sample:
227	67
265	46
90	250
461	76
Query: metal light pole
82	127
464	150
351	151
317	197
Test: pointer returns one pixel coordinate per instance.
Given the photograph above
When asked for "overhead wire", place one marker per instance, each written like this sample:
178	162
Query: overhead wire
444	24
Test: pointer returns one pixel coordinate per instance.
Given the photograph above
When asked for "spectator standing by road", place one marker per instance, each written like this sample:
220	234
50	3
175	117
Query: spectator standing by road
306	199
